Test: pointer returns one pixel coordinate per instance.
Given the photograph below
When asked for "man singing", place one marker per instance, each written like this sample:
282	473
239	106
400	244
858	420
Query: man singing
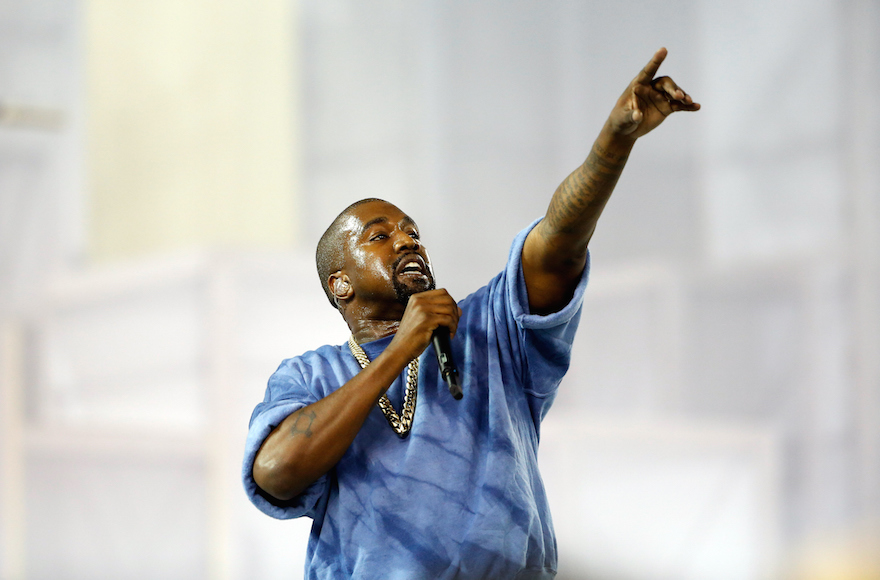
402	480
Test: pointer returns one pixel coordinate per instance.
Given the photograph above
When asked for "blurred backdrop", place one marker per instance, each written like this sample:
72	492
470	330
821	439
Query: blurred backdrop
167	167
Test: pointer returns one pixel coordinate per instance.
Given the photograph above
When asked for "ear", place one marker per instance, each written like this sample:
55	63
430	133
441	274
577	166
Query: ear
340	287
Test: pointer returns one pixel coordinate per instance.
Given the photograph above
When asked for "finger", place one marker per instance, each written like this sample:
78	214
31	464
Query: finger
449	317
671	90
452	326
676	106
636	113
441	319
438	301
457	318
636	117
653	65
630	114
436	297
659	100
649	97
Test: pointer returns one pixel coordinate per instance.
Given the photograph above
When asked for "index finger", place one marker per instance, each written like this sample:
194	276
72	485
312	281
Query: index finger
647	73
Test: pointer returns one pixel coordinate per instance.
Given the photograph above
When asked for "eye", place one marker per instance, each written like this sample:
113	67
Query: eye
379	236
414	235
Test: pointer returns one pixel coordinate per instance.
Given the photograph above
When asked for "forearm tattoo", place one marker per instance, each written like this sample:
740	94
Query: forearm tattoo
585	192
302	423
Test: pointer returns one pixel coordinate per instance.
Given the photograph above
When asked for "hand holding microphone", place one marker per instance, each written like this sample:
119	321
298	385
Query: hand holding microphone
426	310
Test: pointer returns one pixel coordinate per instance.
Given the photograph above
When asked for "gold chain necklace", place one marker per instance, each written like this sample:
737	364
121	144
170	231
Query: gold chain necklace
400	423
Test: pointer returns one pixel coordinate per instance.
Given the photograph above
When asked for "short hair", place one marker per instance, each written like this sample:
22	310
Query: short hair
330	255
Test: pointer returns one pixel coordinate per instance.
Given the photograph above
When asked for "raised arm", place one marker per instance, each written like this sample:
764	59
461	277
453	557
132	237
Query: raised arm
555	252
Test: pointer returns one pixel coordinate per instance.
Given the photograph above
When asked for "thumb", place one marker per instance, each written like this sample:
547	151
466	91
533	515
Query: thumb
629	121
635	118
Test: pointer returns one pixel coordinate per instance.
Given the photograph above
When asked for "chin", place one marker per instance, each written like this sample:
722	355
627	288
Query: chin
404	291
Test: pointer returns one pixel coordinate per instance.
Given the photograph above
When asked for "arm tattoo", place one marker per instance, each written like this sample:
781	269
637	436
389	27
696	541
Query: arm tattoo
585	192
302	423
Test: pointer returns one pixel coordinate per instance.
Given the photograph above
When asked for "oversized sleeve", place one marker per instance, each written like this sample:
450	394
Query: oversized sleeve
540	345
287	391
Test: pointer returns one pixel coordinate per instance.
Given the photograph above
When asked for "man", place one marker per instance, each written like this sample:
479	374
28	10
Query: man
423	486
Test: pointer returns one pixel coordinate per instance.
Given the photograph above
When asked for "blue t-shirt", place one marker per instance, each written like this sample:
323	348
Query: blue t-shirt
461	497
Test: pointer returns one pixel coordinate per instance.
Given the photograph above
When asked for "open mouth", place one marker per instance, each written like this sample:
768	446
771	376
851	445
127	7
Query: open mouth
411	275
411	266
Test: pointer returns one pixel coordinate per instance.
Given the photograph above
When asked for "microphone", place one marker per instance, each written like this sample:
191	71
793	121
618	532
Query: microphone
444	358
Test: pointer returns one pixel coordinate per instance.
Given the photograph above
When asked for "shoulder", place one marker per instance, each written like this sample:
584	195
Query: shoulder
326	353
304	368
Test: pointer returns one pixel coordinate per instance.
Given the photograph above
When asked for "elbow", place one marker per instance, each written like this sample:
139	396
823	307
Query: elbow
274	479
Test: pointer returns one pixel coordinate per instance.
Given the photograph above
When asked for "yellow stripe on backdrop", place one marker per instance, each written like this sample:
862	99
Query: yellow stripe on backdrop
191	125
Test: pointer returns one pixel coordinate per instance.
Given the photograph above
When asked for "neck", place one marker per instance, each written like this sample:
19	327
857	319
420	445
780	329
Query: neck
366	324
370	330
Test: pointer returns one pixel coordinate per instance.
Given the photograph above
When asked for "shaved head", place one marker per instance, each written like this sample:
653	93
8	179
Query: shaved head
330	254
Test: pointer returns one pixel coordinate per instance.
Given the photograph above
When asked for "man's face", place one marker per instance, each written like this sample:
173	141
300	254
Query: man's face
385	259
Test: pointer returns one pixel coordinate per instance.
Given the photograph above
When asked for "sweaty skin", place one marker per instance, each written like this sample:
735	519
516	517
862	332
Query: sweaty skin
382	241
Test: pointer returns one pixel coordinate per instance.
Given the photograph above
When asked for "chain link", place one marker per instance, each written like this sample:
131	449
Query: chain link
400	423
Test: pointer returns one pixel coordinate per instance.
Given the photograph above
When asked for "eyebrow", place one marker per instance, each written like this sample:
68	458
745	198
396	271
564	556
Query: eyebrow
382	219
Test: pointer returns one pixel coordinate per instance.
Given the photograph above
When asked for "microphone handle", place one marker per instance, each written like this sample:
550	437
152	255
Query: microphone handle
443	349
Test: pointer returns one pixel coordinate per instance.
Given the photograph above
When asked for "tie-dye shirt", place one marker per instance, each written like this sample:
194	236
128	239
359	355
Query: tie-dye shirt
461	496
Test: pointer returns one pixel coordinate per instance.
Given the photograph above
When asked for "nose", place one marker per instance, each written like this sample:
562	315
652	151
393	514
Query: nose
404	241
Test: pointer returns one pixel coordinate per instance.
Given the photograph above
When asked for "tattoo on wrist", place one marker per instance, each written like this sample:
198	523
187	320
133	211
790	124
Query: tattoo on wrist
614	158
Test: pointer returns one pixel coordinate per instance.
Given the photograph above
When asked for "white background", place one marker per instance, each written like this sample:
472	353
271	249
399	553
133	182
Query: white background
721	418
